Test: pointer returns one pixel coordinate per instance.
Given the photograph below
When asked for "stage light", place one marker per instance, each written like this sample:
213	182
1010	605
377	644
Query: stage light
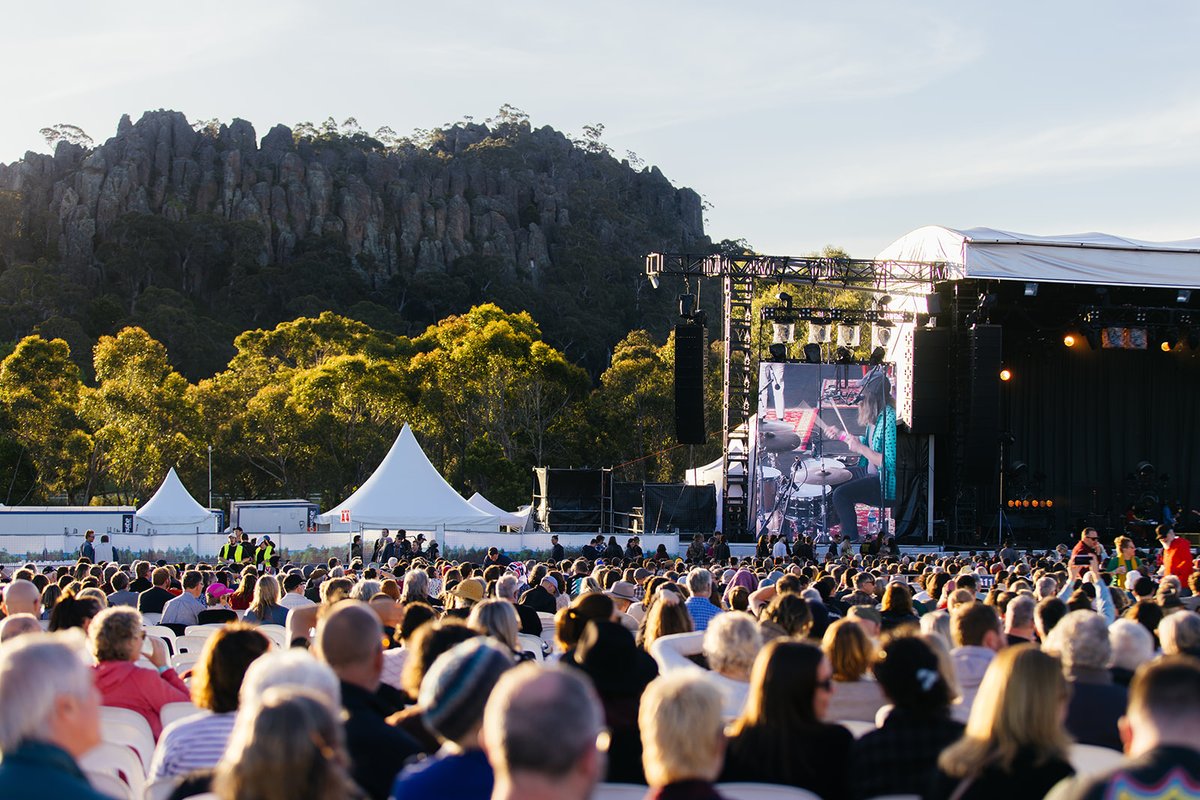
654	281
812	353
1184	296
877	356
1005	375
1165	346
885	299
778	351
849	336
1010	503
1035	504
783	332
1025	503
1049	504
1069	340
843	356
784	298
687	305
1169	341
1031	290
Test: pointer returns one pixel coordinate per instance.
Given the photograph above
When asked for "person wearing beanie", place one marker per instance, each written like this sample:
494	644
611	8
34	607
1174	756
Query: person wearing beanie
453	695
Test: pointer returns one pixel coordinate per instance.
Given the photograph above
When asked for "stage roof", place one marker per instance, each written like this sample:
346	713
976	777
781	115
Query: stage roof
1087	258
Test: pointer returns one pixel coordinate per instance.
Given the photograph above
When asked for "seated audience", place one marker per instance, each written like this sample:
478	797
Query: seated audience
264	608
152	600
781	736
1014	745
531	706
50	717
977	635
73	611
1097	702
13	626
683	742
116	637
856	695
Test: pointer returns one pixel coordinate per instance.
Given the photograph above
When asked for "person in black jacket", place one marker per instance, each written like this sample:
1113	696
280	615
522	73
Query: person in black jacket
556	550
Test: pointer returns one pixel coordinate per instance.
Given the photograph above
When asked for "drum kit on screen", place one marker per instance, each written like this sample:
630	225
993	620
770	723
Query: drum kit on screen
795	483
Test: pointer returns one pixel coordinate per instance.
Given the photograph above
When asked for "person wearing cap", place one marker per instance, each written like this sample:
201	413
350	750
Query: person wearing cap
541	597
350	640
226	551
466	594
624	594
218	610
293	591
452	699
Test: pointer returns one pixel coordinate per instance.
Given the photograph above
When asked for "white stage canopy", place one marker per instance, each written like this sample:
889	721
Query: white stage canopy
513	519
173	508
1088	258
405	491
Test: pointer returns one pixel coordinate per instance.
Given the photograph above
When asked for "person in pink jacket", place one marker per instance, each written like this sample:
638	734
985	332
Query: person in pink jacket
116	638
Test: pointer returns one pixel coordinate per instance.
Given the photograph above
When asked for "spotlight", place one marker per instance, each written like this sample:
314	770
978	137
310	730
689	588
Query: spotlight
884	299
783	332
1035	504
1031	290
1170	340
778	351
687	305
784	298
1184	296
1049	504
877	356
1069	340
812	353
843	356
1025	503
654	281
1005	375
849	335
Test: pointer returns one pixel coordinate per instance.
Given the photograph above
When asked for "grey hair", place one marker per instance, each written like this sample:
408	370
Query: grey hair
113	633
288	668
366	589
699	582
1046	587
416	586
731	642
1019	613
506	586
1132	645
1082	640
1180	634
34	670
937	623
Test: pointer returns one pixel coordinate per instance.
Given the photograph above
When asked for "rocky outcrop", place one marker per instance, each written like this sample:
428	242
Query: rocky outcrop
403	210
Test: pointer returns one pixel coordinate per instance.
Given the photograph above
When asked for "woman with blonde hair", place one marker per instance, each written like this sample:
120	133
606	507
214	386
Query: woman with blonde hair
265	608
1015	744
291	747
852	654
498	619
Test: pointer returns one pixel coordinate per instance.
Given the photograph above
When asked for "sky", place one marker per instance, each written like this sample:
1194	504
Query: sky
801	124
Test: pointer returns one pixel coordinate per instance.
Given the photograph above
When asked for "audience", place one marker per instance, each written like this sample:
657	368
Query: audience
1097	702
856	695
683	744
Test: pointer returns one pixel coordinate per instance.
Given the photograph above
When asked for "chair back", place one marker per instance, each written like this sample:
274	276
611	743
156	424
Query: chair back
763	791
531	644
172	712
116	761
1090	759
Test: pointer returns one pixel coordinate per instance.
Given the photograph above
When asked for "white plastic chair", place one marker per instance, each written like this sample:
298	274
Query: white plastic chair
163	788
763	791
151	617
129	728
1090	759
276	633
205	796
176	711
207	629
619	791
189	644
108	784
672	651
531	644
185	661
118	762
163	632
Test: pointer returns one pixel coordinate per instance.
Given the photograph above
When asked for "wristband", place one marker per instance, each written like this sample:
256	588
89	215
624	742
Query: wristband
163	668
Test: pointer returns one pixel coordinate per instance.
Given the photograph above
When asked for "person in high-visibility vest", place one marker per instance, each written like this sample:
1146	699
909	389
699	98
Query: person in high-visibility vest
264	552
226	551
243	551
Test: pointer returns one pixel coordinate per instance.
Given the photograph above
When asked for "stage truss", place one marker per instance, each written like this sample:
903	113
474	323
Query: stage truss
739	275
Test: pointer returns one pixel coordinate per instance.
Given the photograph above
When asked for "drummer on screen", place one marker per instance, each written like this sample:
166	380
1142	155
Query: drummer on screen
877	412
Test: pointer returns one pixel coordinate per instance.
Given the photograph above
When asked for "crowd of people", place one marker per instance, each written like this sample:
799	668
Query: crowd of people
951	676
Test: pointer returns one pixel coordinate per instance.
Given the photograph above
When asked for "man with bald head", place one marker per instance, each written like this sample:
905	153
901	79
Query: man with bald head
22	597
350	640
530	708
13	626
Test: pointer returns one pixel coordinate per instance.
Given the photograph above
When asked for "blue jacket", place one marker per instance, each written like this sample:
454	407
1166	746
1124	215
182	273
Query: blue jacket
46	772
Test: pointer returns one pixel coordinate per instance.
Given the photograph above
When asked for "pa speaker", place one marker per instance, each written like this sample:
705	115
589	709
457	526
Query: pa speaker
931	381
691	353
982	454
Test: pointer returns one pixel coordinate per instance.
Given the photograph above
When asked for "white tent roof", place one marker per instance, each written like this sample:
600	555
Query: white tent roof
709	475
1091	258
405	491
173	505
514	519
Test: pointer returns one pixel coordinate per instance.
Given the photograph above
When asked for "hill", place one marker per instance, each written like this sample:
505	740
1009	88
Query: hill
197	232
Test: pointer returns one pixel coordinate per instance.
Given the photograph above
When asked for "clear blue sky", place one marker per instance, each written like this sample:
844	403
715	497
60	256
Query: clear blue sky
803	124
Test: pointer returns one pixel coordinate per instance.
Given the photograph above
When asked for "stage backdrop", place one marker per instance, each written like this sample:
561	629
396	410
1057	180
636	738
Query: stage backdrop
1083	420
795	466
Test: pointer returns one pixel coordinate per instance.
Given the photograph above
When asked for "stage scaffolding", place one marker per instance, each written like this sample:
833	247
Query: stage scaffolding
739	275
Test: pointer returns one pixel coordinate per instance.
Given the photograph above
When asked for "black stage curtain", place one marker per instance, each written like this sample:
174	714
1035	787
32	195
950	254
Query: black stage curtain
1086	418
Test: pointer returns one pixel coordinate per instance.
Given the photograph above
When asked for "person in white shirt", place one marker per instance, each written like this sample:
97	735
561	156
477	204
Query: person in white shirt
780	550
293	591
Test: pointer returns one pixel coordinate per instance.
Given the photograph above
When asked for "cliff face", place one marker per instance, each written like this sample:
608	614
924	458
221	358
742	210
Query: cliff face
512	194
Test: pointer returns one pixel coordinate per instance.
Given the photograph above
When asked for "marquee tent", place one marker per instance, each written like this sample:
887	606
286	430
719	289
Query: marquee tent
513	519
405	491
1088	258
173	510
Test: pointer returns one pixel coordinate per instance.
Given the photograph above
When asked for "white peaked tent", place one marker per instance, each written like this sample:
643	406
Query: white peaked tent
405	491
1090	258
173	510
513	519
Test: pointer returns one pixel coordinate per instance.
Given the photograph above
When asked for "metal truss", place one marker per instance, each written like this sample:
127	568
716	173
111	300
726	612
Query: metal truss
739	274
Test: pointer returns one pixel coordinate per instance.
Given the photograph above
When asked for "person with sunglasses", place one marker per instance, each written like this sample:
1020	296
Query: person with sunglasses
1087	546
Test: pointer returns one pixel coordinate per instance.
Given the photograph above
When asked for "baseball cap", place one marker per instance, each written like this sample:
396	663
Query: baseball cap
218	590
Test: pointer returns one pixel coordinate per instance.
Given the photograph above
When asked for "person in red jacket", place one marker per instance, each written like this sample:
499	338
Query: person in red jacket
1177	554
116	638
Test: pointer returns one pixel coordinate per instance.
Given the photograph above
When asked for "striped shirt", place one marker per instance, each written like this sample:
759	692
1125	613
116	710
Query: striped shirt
195	742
